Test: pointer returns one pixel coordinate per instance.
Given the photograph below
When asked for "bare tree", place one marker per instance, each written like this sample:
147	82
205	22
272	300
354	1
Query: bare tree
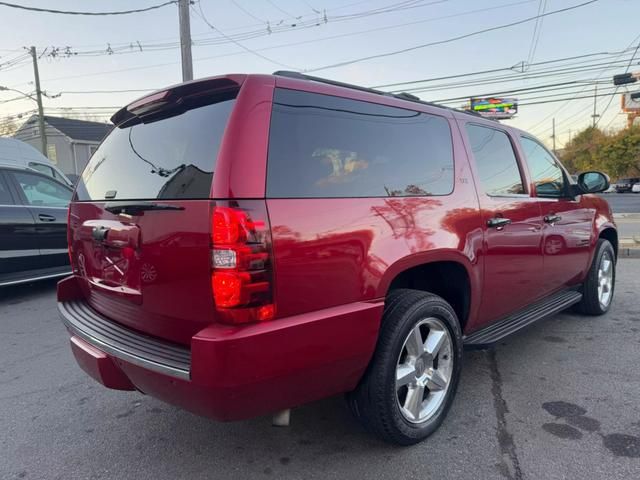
8	128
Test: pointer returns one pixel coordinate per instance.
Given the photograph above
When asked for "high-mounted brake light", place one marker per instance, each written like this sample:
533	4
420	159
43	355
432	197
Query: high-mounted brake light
242	276
149	102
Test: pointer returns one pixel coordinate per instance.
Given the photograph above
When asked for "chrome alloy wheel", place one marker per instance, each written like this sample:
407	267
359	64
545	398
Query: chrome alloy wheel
424	370
605	280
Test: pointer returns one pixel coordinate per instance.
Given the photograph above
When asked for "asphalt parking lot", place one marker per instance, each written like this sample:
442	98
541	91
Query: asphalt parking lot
623	202
559	400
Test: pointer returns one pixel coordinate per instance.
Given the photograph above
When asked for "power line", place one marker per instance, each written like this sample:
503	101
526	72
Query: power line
341	7
550	87
563	71
247	12
130	90
273	4
537	125
253	52
449	40
315	10
67	12
501	69
611	99
15	61
568	99
113	48
535	32
527	100
131	47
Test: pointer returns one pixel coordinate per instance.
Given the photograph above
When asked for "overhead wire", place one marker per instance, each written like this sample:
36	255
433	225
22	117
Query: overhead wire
69	12
559	71
537	125
247	12
536	31
611	100
273	4
115	48
201	14
448	40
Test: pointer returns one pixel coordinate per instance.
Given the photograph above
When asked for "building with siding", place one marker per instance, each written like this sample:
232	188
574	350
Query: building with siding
70	142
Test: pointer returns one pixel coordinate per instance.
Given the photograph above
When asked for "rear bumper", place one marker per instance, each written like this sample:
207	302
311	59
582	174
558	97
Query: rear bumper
228	372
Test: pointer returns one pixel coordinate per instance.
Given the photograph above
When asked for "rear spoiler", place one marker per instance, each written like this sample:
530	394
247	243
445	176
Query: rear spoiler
177	99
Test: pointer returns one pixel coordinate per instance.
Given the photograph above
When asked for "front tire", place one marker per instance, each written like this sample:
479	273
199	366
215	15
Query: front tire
598	287
409	386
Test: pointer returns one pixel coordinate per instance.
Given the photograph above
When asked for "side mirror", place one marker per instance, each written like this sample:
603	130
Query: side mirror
593	182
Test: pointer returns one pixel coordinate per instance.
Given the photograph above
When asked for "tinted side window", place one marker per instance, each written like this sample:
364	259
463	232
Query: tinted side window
41	191
324	146
547	175
5	195
495	160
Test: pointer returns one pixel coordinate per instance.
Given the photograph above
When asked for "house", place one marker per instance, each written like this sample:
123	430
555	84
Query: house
70	142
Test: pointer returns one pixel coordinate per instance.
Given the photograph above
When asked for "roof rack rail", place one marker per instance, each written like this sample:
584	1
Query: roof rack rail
402	95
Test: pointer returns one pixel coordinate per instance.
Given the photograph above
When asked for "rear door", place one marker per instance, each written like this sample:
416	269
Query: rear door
567	224
141	222
512	223
48	202
18	245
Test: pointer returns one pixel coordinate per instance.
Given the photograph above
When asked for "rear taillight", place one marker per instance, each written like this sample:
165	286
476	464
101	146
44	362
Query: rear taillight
241	263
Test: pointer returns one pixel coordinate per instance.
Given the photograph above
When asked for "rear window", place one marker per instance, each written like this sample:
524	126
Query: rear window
172	158
324	146
42	168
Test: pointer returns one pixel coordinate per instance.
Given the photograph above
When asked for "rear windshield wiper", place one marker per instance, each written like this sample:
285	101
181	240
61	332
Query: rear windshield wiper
138	207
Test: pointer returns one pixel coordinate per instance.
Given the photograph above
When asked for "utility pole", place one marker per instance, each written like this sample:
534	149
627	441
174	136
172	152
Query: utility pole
43	133
595	113
185	40
553	136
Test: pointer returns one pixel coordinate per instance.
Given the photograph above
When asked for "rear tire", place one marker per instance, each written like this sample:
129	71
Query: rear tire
598	287
410	383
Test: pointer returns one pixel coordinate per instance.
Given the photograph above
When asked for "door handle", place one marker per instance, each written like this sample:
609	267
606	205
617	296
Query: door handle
498	222
43	217
551	219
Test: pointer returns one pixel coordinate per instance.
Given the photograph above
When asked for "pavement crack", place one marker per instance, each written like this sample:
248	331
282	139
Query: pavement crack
509	463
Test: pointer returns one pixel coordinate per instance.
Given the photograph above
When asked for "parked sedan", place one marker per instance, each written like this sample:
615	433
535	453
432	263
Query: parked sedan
635	188
33	226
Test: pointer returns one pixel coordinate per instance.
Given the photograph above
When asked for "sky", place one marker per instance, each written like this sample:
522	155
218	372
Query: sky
122	57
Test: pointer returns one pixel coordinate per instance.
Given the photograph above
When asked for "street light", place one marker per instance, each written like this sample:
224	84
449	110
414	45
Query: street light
26	95
43	133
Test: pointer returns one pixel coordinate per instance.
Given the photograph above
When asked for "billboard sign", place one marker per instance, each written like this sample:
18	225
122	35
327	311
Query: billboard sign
495	107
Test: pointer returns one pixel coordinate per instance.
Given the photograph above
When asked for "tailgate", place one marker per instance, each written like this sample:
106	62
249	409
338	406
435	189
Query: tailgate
150	272
140	222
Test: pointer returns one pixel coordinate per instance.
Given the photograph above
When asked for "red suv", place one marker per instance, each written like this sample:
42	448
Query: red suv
245	244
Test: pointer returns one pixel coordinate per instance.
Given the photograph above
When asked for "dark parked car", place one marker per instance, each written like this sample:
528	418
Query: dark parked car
33	226
625	185
245	244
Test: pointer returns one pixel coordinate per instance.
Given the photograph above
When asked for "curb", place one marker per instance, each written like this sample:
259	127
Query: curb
626	216
628	251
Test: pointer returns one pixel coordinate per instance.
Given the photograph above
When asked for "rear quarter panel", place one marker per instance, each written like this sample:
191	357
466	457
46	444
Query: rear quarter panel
602	219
